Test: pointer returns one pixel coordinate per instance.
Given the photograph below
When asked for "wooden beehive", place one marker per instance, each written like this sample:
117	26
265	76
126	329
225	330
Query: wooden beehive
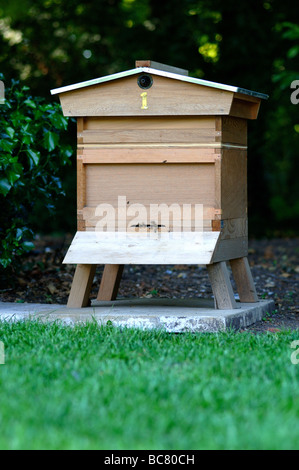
155	136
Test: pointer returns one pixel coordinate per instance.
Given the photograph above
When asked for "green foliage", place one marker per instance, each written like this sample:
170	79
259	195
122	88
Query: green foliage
31	157
282	136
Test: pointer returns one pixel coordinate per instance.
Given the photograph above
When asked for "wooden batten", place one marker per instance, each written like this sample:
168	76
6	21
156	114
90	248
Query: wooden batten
81	181
147	155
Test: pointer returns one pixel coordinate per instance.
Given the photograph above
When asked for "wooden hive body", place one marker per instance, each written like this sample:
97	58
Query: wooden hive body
181	142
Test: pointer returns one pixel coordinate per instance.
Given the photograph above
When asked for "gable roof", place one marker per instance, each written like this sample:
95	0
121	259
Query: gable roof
161	73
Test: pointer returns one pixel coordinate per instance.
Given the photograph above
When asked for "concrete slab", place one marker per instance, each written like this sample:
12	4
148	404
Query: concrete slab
172	315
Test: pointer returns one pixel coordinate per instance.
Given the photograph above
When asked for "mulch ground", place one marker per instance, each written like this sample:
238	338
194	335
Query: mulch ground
274	263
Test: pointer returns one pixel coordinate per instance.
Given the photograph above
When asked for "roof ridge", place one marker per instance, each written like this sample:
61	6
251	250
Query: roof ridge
162	73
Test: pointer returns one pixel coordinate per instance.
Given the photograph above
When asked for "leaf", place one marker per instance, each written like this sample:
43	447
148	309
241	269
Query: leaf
5	262
4	186
6	145
13	175
19	234
7	158
50	141
66	154
59	121
28	245
10	132
27	138
293	52
30	103
33	156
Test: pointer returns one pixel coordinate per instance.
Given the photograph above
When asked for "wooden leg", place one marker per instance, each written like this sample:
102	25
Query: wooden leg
81	286
110	281
221	286
244	281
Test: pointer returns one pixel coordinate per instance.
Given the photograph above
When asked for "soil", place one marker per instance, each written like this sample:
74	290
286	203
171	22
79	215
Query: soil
274	263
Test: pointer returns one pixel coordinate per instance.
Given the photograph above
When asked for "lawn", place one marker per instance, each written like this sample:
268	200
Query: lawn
92	387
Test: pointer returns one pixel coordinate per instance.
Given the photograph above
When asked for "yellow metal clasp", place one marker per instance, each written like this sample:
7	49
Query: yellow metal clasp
144	100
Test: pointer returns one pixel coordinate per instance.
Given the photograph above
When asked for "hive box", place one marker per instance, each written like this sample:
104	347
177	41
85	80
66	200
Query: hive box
162	177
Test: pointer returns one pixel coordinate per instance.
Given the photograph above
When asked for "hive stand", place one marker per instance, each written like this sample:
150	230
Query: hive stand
218	274
155	136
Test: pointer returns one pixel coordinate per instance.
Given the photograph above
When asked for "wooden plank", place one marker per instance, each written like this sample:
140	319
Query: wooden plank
81	181
81	223
234	183
234	228
130	123
132	225
147	155
221	286
148	136
80	127
230	249
156	65
81	285
244	280
166	97
216	225
218	128
234	130
110	282
141	248
217	183
89	212
149	184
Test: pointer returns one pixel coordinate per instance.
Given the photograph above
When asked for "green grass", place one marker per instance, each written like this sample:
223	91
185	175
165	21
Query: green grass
91	387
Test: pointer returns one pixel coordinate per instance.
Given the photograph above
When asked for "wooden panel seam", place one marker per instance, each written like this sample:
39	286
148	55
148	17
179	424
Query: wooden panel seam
203	145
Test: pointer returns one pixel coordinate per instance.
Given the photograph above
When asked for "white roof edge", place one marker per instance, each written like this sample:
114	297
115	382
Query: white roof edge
95	81
161	73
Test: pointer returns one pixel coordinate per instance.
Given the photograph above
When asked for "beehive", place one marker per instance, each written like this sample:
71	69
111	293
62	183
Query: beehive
153	137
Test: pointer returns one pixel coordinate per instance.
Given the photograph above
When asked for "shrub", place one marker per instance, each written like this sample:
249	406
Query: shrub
32	155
